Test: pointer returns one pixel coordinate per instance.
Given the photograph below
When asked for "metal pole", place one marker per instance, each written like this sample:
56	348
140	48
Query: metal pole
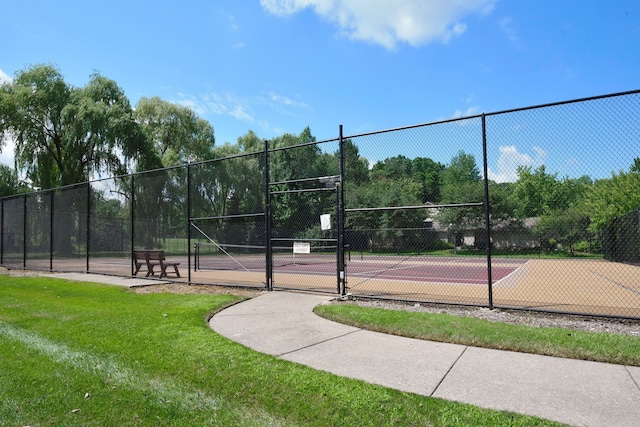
188	225
88	214
487	210
51	235
133	227
24	232
2	232
267	221
342	274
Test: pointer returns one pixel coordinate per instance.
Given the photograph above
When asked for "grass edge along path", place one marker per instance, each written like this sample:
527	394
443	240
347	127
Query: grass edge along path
76	353
583	345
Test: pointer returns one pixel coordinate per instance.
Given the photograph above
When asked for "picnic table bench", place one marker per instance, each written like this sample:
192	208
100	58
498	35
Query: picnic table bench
151	259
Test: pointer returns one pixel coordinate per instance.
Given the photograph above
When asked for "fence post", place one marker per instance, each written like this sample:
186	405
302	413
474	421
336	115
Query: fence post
51	235
267	221
2	231
487	209
88	214
24	232
189	223
133	222
342	274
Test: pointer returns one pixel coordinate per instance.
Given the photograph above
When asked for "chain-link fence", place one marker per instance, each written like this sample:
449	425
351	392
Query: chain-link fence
535	208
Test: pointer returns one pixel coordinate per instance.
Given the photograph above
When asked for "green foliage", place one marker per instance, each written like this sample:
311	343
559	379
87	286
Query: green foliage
9	182
613	197
176	133
63	134
461	183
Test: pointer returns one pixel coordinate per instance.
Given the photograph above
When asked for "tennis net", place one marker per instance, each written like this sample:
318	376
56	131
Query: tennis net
224	256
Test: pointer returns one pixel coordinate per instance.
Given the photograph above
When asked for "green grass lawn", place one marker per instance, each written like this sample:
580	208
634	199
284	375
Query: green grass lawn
83	354
600	347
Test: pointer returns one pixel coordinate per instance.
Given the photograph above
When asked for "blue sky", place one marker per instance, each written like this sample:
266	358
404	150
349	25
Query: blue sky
275	66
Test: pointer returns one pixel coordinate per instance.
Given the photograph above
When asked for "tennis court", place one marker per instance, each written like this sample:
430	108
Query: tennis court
567	285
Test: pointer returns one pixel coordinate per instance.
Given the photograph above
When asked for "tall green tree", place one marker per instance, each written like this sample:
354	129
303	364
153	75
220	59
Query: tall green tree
461	183
356	167
177	134
9	182
537	192
64	134
610	198
429	174
298	213
397	167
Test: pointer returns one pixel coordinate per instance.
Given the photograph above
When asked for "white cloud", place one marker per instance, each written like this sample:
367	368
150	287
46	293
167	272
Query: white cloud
7	145
213	103
508	29
286	101
4	77
387	23
7	151
471	111
510	159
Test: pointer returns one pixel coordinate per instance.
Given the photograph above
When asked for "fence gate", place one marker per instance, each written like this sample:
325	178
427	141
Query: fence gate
305	219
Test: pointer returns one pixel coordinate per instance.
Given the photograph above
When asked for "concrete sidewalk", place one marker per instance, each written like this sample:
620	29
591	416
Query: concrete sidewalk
570	391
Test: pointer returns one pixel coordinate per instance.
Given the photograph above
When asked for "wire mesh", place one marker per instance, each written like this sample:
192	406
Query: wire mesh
417	209
227	210
69	223
38	231
562	176
547	220
303	193
13	228
110	226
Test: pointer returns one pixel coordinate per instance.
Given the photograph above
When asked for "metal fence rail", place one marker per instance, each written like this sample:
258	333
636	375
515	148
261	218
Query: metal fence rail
489	210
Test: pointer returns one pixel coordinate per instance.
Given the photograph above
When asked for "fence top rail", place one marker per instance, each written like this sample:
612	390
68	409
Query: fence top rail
390	208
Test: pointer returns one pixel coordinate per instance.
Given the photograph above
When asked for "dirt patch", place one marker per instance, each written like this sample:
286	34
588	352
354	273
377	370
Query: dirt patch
180	288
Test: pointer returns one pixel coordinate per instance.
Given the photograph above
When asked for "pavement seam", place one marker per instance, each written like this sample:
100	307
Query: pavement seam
455	362
318	343
626	368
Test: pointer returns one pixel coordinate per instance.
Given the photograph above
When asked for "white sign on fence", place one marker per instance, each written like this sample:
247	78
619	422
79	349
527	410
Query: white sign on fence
325	222
301	247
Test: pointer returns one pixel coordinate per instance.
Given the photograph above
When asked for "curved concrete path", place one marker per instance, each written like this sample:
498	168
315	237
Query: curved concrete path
578	393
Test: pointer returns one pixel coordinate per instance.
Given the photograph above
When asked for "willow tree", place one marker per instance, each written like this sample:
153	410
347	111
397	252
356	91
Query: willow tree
64	134
178	135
